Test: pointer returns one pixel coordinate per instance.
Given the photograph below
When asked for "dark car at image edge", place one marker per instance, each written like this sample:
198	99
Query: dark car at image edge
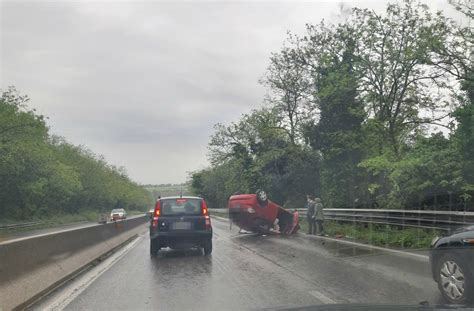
180	222
452	265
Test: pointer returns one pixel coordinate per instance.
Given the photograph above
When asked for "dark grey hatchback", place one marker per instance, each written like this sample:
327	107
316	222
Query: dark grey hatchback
452	258
180	222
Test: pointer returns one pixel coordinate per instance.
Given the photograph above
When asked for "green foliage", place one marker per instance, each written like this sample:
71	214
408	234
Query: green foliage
432	166
380	235
43	175
464	135
217	184
164	190
350	116
338	133
394	53
256	154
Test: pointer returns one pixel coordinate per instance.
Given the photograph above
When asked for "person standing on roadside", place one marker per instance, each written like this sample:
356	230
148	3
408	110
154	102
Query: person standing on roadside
319	216
310	214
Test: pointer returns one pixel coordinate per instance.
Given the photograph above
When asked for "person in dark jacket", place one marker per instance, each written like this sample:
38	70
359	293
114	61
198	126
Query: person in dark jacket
318	216
310	205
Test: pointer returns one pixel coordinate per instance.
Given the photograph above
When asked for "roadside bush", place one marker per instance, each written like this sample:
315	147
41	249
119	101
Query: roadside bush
379	235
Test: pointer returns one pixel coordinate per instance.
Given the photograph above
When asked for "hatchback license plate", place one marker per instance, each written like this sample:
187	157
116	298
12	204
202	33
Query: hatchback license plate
181	225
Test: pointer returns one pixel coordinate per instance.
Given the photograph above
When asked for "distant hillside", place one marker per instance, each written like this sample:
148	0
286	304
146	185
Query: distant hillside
168	189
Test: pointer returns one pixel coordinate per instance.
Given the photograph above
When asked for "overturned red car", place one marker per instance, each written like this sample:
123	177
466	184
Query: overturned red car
254	212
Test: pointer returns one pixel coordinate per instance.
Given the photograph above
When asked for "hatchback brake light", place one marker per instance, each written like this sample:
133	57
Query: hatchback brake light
158	209
204	209
205	213
156	214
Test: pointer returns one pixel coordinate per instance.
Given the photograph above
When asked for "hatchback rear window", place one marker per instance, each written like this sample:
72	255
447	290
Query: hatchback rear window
181	206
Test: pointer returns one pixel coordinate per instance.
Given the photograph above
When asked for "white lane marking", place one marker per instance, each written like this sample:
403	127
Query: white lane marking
73	290
321	297
384	249
220	218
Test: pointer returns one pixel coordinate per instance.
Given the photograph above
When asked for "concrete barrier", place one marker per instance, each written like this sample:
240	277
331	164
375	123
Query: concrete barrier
29	266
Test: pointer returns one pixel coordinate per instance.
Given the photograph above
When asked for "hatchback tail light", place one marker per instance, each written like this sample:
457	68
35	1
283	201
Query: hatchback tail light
205	213
204	209
156	214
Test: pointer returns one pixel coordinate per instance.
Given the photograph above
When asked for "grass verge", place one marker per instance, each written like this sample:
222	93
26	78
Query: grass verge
380	235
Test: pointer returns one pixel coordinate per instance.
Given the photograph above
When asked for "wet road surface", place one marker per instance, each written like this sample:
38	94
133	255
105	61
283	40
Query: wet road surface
252	272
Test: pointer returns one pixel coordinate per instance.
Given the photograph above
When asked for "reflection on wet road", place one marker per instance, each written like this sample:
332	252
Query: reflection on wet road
250	272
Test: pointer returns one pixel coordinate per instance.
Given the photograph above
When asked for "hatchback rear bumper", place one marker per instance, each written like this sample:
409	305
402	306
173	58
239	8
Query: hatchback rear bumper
176	238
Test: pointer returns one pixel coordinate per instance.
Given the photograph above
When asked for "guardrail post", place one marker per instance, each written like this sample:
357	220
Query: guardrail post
465	207
450	205
403	224
450	200
354	219
419	220
387	229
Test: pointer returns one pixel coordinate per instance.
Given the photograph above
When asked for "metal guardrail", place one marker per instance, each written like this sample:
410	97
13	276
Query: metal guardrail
21	225
438	220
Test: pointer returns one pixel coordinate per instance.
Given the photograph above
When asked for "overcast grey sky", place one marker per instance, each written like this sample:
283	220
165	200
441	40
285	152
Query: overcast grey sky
143	83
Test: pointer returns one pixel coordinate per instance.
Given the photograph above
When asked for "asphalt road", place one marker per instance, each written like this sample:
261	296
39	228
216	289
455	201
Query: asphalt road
250	272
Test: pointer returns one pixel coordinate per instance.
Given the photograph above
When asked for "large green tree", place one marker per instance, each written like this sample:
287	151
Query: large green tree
337	134
400	87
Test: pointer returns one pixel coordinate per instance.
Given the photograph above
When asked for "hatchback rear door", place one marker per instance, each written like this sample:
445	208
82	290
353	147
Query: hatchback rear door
181	215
